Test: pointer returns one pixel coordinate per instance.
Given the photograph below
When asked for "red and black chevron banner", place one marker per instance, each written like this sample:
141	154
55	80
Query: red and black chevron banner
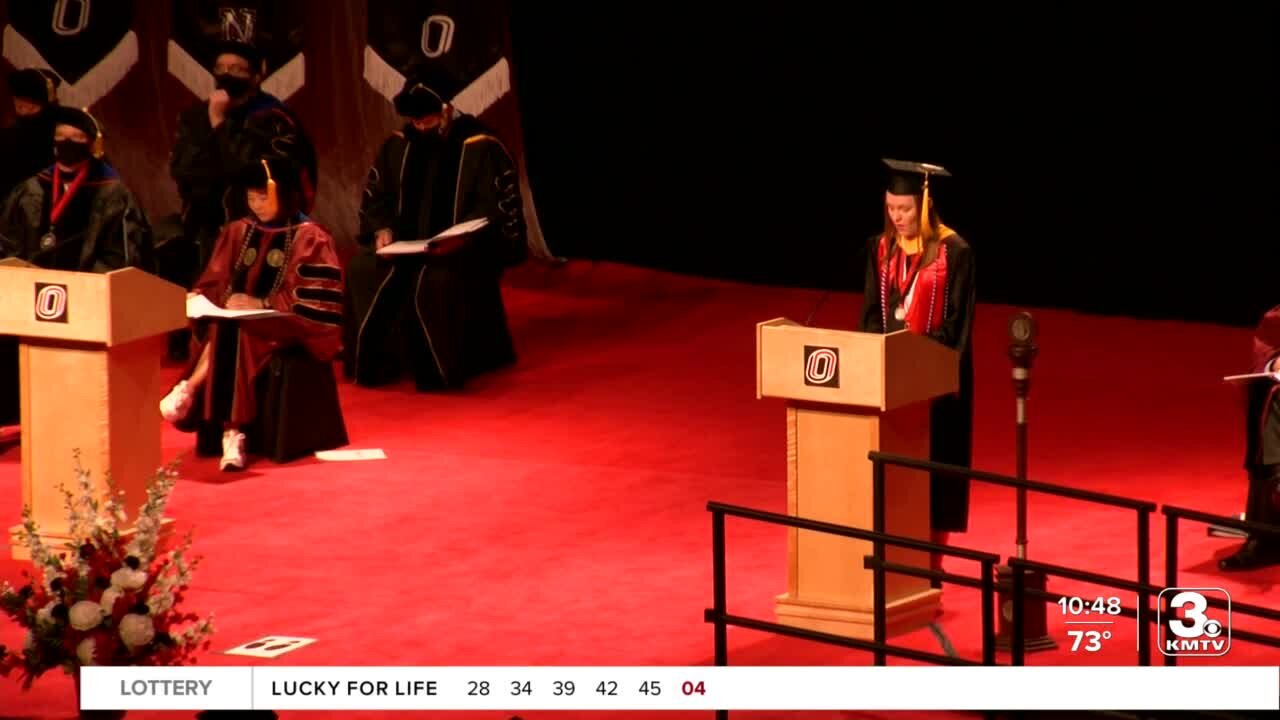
470	41
88	43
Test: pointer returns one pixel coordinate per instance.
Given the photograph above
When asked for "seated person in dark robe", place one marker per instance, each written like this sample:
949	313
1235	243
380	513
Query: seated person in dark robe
25	145
439	313
920	277
238	125
276	258
1262	450
74	215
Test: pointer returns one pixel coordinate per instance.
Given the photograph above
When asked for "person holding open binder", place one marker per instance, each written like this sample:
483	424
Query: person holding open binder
1262	448
437	313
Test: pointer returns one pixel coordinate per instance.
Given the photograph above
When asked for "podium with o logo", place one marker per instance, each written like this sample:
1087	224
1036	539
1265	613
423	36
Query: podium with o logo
89	358
849	393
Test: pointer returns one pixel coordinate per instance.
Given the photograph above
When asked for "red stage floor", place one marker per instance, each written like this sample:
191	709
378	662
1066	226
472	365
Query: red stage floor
553	514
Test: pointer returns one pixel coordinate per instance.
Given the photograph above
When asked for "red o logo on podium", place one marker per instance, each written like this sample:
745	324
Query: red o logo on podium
51	302
821	366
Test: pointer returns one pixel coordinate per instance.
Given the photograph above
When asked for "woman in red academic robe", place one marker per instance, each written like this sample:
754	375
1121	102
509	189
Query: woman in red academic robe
275	258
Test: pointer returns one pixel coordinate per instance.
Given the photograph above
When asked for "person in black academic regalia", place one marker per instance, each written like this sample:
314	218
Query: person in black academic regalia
75	214
25	146
441	313
920	277
1262	449
237	126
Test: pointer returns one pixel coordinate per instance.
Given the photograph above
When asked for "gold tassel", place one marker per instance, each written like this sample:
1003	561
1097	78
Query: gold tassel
913	246
926	229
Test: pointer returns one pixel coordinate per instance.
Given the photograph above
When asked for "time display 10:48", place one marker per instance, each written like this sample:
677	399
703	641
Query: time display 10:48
1097	606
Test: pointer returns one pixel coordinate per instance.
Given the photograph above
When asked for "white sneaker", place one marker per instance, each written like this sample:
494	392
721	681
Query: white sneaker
177	403
232	451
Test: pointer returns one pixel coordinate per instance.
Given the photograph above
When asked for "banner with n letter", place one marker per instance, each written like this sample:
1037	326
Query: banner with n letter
273	27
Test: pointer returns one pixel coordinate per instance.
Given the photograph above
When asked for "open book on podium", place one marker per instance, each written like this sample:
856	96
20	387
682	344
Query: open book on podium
849	393
90	346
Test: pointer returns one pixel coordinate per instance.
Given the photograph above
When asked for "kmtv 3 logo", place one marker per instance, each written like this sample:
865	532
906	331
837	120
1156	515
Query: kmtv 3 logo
51	302
1190	627
821	366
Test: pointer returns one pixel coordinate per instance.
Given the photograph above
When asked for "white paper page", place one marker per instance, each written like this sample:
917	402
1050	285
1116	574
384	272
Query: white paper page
199	306
350	455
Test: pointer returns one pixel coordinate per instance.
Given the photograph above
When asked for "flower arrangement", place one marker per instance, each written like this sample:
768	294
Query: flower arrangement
106	599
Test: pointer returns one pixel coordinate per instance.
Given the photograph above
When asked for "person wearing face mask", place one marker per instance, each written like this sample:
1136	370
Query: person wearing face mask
439	314
920	278
25	144
274	258
75	214
237	125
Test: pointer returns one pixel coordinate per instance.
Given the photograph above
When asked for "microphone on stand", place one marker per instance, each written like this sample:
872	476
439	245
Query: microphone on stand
817	306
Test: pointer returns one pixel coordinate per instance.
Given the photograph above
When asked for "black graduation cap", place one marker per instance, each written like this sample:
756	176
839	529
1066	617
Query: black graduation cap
427	87
911	178
76	118
239	48
33	84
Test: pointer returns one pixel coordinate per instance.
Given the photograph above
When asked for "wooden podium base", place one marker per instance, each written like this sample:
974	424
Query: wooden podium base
57	542
901	616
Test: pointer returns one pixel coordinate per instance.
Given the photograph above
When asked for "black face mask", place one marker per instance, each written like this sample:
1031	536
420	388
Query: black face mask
70	152
235	86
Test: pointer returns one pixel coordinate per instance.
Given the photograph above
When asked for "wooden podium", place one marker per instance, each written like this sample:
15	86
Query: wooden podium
89	353
849	393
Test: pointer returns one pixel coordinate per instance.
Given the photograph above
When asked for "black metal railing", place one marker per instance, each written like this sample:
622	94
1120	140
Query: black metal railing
721	618
1143	509
1172	515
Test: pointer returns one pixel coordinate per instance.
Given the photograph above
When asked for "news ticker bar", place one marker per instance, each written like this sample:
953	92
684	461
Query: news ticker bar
681	688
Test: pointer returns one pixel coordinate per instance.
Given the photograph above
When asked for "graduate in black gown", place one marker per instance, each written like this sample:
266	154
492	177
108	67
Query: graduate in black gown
1262	449
75	214
920	277
440	314
25	145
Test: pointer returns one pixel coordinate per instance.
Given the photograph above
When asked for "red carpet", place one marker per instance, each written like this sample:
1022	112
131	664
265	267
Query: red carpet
553	514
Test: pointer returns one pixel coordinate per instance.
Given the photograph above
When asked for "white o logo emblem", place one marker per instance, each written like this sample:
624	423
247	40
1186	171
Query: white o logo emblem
51	302
435	47
63	25
821	367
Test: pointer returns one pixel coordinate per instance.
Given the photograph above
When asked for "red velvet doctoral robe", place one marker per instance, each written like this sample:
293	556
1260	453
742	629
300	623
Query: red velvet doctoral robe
295	269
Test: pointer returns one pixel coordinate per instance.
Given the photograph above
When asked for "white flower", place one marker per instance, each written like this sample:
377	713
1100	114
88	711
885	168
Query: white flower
136	630
86	615
84	651
44	616
128	579
109	598
160	604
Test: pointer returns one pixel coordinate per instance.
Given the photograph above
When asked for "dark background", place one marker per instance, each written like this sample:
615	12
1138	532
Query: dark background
1114	159
1118	160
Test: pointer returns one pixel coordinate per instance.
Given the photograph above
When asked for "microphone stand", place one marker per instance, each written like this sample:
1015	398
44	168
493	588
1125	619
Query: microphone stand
1022	351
